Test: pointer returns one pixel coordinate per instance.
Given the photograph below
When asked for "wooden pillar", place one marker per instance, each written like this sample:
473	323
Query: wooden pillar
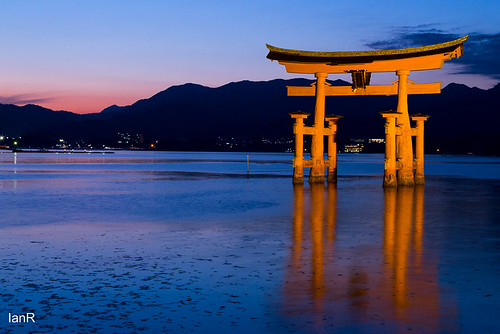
317	173
419	147
404	149
390	179
298	160
332	148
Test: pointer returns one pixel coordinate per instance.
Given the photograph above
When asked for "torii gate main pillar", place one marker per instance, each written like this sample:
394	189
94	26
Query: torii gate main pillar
317	172
404	152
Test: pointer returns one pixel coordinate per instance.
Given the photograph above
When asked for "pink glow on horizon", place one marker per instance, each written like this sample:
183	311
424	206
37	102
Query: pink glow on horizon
80	103
85	103
81	100
92	101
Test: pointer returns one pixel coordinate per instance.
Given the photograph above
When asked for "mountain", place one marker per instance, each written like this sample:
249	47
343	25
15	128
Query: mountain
192	116
34	123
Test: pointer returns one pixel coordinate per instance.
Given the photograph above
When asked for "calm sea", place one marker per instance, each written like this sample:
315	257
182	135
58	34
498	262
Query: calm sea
175	242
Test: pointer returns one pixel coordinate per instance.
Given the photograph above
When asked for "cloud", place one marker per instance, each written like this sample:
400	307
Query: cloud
480	50
22	99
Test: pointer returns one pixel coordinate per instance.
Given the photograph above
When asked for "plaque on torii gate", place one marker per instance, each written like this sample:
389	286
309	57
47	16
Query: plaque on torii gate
399	165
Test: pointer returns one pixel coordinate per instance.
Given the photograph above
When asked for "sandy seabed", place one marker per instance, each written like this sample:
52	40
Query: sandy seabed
123	279
132	251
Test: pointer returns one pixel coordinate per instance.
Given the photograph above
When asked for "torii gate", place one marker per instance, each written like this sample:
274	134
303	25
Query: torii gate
399	163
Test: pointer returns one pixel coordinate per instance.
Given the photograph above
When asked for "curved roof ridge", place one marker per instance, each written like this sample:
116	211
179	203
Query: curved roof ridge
276	53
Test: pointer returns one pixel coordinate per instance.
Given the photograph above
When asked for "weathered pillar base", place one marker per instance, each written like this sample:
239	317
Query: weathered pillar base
317	175
316	179
390	179
298	171
331	176
406	179
297	178
419	179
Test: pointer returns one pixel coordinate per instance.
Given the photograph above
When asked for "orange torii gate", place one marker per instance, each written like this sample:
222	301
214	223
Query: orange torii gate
399	162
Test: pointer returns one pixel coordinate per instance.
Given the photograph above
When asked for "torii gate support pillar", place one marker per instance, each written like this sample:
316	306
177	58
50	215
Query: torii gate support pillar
390	179
298	159
331	176
419	147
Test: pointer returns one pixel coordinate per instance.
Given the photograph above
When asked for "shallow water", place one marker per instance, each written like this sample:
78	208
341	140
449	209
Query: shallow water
191	242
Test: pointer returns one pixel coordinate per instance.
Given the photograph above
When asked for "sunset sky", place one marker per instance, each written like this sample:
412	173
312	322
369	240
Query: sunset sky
83	56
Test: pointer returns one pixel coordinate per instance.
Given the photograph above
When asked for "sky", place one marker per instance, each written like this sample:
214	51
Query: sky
83	56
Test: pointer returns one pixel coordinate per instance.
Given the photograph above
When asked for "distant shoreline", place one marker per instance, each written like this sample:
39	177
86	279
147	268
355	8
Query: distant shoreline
57	151
113	151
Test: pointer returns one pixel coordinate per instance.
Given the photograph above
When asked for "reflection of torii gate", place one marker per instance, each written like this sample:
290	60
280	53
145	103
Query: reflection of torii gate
398	141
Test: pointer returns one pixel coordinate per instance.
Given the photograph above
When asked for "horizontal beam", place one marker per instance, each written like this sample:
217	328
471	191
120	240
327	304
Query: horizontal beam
311	130
427	88
310	163
423	63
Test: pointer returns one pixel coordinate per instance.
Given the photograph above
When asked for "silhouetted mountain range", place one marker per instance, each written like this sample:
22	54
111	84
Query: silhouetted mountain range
195	117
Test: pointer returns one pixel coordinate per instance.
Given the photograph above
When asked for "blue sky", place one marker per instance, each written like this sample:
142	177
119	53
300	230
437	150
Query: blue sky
83	56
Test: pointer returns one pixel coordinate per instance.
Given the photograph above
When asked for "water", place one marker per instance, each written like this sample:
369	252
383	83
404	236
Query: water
189	242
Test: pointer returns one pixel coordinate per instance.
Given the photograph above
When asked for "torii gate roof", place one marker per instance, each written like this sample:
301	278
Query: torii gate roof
419	58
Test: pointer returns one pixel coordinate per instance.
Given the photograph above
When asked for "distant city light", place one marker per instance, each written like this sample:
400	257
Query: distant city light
376	140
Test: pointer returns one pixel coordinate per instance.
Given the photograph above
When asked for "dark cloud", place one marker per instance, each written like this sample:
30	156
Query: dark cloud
22	99
480	50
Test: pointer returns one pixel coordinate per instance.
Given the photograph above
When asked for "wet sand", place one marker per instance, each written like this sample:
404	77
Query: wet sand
248	255
152	278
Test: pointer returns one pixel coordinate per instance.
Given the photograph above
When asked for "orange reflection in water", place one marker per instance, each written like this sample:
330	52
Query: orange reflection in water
411	284
338	280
